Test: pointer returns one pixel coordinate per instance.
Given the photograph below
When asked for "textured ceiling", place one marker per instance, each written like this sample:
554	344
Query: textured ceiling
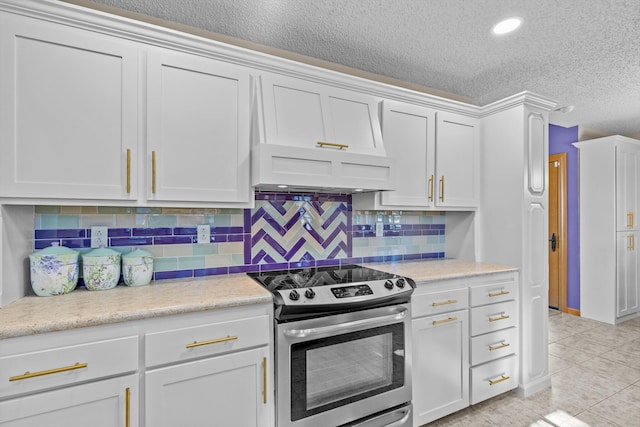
577	52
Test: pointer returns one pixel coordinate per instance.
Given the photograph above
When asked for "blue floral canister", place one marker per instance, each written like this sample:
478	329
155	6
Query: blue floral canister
137	267
54	270
101	269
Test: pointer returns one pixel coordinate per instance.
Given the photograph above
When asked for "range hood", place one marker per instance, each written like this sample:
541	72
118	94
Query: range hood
312	137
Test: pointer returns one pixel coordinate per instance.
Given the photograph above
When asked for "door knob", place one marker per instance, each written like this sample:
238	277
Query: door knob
554	242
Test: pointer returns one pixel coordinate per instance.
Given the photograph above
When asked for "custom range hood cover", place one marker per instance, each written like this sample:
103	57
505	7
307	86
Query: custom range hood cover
307	135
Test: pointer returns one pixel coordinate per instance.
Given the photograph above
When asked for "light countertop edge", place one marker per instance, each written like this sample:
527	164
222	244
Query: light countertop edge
81	308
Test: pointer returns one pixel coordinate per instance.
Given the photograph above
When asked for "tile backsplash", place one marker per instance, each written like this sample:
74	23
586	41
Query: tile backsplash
283	230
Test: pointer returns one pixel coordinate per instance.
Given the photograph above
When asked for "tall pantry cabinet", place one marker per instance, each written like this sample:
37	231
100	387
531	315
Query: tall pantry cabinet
609	201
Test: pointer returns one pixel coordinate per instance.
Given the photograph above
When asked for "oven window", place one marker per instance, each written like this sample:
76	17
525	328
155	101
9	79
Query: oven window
331	372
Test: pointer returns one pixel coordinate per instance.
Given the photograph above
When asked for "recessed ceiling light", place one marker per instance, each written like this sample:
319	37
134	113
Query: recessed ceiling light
506	26
282	186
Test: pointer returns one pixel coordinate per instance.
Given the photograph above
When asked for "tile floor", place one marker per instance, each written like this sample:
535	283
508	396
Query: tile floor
595	381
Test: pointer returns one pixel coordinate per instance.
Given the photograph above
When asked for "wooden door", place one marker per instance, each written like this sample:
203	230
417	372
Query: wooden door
557	232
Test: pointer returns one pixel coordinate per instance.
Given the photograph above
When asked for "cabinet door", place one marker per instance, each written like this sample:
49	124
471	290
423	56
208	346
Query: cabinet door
409	136
302	113
628	273
106	403
440	365
225	391
457	169
197	130
627	187
68	112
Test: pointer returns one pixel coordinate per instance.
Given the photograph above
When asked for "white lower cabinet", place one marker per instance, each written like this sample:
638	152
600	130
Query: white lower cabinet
228	390
106	403
465	341
440	365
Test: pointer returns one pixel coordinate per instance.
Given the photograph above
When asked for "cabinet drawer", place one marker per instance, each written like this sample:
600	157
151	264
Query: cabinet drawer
439	302
493	317
494	345
47	368
498	291
188	343
493	378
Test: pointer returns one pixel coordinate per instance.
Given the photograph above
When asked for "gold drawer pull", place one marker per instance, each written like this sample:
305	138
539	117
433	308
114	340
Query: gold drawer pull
28	374
431	189
630	220
216	341
449	301
442	189
499	346
323	144
264	380
502	378
447	320
153	172
127	407
497	294
128	170
495	319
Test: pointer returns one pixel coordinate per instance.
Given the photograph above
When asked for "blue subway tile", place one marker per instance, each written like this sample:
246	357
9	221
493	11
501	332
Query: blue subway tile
172	240
327	262
221	238
41	244
179	274
131	241
71	233
437	226
115	232
412	233
212	271
429	255
160	231
408	257
233	238
352	260
244	268
302	264
388	258
76	243
185	231
378	258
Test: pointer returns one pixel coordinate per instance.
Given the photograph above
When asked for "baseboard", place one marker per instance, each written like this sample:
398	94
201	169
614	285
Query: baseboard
526	390
573	311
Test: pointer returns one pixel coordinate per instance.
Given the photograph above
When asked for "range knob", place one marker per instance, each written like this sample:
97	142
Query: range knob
309	293
400	283
388	284
294	295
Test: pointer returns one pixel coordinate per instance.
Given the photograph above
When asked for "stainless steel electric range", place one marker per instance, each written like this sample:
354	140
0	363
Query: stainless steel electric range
343	346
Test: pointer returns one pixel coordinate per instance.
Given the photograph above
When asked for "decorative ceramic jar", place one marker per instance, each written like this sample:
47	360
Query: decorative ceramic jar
137	267
54	270
101	269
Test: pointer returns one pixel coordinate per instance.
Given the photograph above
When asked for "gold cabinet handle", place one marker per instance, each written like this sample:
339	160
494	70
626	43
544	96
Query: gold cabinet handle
447	320
127	407
28	374
442	188
431	188
502	378
153	172
128	170
449	301
497	294
323	144
264	380
630	220
495	319
631	242
216	341
499	346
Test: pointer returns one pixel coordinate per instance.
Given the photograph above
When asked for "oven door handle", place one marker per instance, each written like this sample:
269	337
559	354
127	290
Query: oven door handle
304	333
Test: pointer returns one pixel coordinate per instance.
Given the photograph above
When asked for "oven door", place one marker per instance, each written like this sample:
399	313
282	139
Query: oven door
336	369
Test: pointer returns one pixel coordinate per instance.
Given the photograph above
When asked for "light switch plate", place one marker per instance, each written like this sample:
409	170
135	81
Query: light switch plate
99	236
379	229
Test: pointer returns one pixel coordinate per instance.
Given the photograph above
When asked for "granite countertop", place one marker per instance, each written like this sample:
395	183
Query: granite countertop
81	308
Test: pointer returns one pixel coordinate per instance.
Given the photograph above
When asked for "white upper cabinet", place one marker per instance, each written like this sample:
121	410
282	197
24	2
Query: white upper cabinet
627	187
457	169
437	157
197	129
68	112
409	133
312	135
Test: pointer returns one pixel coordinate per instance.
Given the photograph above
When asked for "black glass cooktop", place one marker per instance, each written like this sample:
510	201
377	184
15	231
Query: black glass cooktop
318	276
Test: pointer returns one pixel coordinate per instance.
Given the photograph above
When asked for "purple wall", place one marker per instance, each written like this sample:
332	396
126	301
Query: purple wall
560	140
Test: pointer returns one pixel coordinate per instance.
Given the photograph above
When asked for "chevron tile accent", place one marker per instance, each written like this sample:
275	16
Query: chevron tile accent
299	230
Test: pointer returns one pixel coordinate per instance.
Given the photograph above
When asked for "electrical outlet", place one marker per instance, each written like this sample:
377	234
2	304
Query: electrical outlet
379	229
99	236
204	233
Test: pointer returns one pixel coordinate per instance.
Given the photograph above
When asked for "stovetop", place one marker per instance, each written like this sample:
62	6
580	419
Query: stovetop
306	291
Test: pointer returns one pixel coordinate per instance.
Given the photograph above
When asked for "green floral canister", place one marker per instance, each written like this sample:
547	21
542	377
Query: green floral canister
101	269
137	267
54	270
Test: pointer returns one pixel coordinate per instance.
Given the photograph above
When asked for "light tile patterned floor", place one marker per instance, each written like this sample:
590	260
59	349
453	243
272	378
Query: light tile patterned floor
595	381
